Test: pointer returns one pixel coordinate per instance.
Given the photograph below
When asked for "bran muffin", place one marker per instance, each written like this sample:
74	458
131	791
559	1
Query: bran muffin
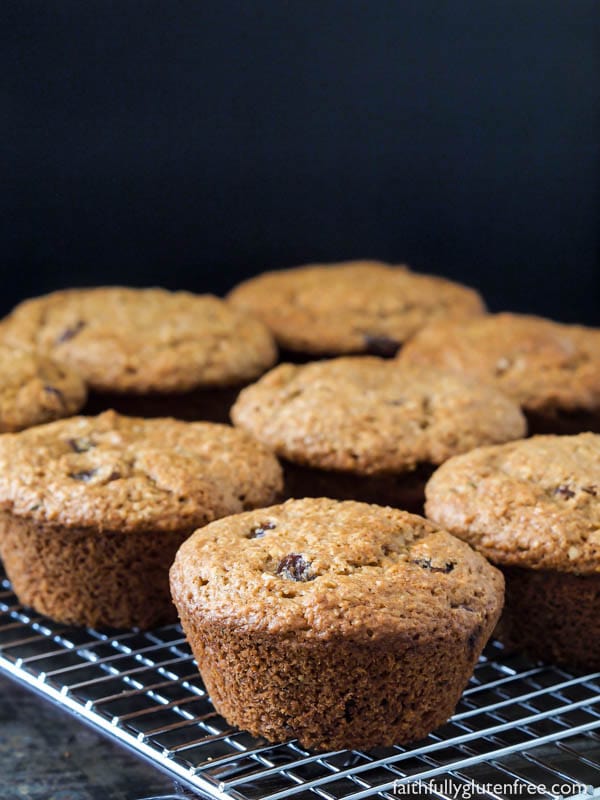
353	307
552	370
362	428
147	351
94	509
341	624
533	508
34	389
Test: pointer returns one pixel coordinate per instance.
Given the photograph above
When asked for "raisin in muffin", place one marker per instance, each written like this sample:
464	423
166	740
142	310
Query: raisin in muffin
366	429
147	351
34	389
533	508
351	307
552	370
341	624
94	509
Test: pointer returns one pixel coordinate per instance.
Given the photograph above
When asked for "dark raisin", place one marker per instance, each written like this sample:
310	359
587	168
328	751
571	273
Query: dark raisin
425	563
473	639
591	489
81	444
56	392
295	567
69	333
350	710
564	491
260	530
85	475
114	475
383	346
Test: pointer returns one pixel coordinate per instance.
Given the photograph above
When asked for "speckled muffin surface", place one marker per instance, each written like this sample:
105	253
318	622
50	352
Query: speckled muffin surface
93	509
143	340
351	307
371	416
338	623
121	473
533	503
543	365
35	389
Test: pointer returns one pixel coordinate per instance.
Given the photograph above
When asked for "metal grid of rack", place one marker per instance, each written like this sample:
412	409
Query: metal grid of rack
518	723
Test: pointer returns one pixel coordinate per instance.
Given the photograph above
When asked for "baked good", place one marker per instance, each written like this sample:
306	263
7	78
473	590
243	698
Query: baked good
94	509
552	370
35	389
367	429
147	351
533	508
351	307
341	624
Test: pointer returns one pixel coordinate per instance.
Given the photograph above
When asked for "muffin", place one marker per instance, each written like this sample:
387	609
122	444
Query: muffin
366	429
340	624
34	389
552	370
147	351
533	508
353	307
94	509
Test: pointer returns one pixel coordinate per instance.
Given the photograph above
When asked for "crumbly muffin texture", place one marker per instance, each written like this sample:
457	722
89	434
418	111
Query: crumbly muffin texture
369	416
326	569
35	389
351	307
341	624
122	473
143	340
542	365
533	503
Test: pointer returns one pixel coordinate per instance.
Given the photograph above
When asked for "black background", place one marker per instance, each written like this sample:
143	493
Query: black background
190	144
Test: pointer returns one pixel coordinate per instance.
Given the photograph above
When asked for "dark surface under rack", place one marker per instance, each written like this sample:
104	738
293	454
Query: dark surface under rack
519	724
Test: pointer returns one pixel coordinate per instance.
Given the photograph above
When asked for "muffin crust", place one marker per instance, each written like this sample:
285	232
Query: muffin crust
143	340
334	622
552	370
94	509
351	307
533	508
368	416
34	389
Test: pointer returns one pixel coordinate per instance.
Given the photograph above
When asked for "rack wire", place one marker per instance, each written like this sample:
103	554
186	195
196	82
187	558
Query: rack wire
532	728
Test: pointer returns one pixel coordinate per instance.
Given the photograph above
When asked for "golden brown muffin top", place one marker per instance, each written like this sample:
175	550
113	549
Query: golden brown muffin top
533	503
143	340
35	389
353	306
126	474
327	569
370	416
543	365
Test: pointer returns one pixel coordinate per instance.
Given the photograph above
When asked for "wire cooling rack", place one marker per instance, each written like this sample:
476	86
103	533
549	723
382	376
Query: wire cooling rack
521	729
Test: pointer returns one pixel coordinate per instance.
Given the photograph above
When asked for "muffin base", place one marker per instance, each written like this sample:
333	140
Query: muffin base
566	423
553	616
87	577
211	405
332	694
405	490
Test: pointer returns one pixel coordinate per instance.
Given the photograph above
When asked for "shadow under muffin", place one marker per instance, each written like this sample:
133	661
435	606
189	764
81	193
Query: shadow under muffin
405	490
210	405
562	422
553	616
